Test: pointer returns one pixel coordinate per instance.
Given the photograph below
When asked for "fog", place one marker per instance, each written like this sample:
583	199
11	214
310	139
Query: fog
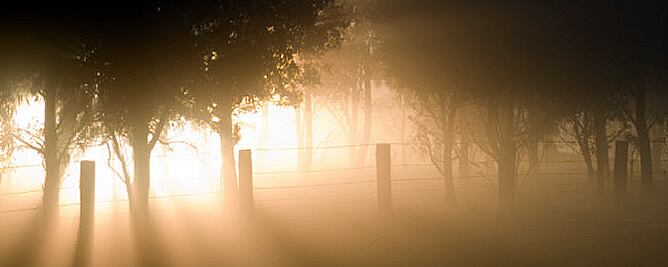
334	133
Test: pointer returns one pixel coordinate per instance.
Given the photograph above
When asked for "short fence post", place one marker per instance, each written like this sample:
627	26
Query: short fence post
246	179
87	188
384	177
87	213
621	170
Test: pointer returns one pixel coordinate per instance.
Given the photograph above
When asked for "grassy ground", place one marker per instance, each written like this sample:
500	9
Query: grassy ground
557	221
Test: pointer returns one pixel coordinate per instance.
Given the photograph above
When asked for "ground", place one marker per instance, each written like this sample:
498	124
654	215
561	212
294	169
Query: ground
326	220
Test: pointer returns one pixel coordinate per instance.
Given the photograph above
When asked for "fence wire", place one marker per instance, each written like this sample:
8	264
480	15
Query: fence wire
335	183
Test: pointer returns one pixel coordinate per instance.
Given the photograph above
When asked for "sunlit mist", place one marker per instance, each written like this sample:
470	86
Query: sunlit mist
334	133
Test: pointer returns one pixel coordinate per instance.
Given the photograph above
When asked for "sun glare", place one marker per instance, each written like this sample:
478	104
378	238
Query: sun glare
188	165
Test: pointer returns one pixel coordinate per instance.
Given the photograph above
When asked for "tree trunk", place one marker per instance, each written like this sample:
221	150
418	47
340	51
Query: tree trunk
658	139
352	134
404	146
139	206
366	131
141	156
583	142
448	141
643	138
299	132
164	160
308	132
582	132
507	172
464	147
507	152
601	144
533	142
228	165
589	164
632	162
264	136
532	151
51	196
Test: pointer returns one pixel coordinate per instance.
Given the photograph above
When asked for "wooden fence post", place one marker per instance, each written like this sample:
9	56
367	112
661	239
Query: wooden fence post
621	170
246	179
87	213
87	190
384	177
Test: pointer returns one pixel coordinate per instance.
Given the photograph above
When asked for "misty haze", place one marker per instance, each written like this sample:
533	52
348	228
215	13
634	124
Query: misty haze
334	133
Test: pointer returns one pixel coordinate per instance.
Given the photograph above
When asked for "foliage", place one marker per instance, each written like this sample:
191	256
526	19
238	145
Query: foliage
250	52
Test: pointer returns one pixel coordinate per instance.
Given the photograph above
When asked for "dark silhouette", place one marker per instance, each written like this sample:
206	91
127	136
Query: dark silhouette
249	57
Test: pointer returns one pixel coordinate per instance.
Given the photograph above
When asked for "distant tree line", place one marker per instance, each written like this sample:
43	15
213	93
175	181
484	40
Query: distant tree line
517	74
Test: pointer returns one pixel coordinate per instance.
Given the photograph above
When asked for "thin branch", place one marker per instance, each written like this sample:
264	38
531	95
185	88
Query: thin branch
158	130
191	145
39	148
119	154
111	165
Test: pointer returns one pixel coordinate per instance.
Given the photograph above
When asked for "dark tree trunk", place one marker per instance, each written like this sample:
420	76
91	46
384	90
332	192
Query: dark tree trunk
535	134
464	147
658	139
532	151
352	134
507	152
228	165
643	138
507	172
404	147
141	156
448	141
632	161
589	164
308	132
139	206
51	196
368	113
582	132
601	144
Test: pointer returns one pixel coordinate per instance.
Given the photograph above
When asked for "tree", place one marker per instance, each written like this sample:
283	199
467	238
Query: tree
249	53
137	51
617	50
348	73
44	50
511	57
7	112
643	112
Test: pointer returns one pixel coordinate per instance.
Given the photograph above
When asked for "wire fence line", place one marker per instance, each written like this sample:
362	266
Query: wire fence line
403	179
334	171
317	147
260	189
118	200
299	172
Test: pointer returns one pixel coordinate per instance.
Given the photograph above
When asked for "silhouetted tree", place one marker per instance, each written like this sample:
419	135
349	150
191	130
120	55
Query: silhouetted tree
348	75
48	54
518	55
249	56
616	50
145	55
7	112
